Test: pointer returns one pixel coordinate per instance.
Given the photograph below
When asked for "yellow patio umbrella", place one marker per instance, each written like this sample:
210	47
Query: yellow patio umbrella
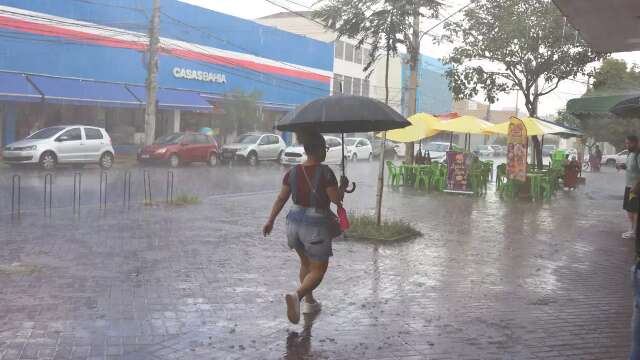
535	127
422	126
465	125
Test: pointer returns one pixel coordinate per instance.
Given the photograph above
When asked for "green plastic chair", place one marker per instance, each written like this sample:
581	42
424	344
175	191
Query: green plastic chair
394	174
501	176
547	187
439	178
423	178
510	189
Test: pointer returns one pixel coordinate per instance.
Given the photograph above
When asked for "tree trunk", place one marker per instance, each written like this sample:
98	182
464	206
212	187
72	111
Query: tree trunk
412	96
384	145
152	75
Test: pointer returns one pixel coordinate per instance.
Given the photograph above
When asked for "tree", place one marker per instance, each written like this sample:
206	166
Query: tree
613	77
241	112
380	23
384	25
527	43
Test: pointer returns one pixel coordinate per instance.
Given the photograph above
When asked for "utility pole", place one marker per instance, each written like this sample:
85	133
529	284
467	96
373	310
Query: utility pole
414	60
152	75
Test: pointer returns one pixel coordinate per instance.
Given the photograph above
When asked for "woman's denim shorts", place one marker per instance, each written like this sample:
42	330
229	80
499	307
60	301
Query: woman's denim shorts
308	232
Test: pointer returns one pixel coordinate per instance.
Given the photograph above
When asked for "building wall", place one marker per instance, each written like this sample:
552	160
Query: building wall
433	94
346	71
106	40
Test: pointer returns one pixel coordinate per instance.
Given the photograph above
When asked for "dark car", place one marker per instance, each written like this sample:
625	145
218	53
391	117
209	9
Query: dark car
181	148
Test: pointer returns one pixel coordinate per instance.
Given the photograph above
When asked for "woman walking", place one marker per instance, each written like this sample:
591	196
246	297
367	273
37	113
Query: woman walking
311	225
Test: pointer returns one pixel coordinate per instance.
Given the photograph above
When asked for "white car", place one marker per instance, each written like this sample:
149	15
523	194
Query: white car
294	155
484	150
437	150
359	148
76	144
616	159
254	147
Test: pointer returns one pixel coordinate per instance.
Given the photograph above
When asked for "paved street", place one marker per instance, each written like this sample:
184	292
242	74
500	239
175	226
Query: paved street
488	280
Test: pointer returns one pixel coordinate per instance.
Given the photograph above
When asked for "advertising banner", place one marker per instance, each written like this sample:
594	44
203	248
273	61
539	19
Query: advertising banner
458	170
517	146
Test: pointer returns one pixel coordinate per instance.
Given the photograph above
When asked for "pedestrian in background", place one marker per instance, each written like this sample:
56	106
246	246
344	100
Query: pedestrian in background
311	225
632	184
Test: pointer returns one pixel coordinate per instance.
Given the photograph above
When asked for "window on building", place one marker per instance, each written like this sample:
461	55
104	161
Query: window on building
337	84
347	85
358	55
92	134
356	86
365	87
339	50
348	52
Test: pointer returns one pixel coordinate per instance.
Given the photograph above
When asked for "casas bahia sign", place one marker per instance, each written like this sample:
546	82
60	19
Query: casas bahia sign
189	74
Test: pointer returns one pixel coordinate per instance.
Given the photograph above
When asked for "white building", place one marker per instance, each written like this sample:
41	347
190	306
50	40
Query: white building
349	61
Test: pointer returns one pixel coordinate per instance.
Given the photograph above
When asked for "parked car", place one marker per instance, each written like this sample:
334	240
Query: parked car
359	148
76	144
181	148
615	159
498	150
483	150
437	150
547	150
253	148
294	155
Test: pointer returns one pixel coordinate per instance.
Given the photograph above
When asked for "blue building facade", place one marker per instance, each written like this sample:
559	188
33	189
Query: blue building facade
88	59
434	96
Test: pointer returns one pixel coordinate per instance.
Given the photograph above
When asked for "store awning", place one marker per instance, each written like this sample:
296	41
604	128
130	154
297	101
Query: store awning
16	87
83	92
597	104
174	99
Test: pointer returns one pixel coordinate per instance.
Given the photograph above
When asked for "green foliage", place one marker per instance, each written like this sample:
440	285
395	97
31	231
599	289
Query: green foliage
184	199
526	40
381	24
364	227
613	77
241	112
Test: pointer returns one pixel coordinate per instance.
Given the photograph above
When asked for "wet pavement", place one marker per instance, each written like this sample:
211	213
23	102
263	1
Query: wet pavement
490	279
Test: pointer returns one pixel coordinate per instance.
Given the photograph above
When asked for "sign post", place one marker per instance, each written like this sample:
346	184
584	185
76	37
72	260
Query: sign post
517	147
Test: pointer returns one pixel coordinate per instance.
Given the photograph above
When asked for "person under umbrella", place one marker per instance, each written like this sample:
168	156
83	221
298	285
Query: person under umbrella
311	225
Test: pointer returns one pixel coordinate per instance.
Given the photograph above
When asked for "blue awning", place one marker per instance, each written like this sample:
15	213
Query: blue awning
84	92
174	99
16	87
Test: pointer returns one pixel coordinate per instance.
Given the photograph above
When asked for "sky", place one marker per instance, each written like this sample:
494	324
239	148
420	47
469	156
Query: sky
549	104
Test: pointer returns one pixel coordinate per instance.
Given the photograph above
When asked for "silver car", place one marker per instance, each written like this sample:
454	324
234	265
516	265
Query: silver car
75	144
254	147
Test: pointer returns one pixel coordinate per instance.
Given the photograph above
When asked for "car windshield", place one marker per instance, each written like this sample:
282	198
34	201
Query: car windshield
350	142
170	139
45	133
248	139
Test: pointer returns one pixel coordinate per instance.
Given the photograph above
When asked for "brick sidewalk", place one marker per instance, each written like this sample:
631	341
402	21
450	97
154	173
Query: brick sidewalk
488	280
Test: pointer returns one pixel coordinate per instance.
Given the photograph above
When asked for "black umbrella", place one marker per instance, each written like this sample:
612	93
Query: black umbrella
343	114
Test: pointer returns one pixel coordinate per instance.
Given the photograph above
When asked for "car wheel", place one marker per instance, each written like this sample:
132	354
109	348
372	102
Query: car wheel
48	160
611	162
213	160
354	158
252	159
174	161
106	161
370	158
280	155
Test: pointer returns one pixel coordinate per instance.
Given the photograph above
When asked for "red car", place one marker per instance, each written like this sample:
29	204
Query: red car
181	148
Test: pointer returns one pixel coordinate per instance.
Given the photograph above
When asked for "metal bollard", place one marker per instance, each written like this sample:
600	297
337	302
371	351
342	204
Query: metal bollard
15	185
48	190
147	188
104	177
169	196
77	193
126	190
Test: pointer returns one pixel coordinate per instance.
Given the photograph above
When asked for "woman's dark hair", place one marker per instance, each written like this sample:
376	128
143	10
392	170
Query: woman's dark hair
632	138
313	142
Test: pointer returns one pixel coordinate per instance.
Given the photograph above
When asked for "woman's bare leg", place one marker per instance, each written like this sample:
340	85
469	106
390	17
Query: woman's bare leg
317	269
304	271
